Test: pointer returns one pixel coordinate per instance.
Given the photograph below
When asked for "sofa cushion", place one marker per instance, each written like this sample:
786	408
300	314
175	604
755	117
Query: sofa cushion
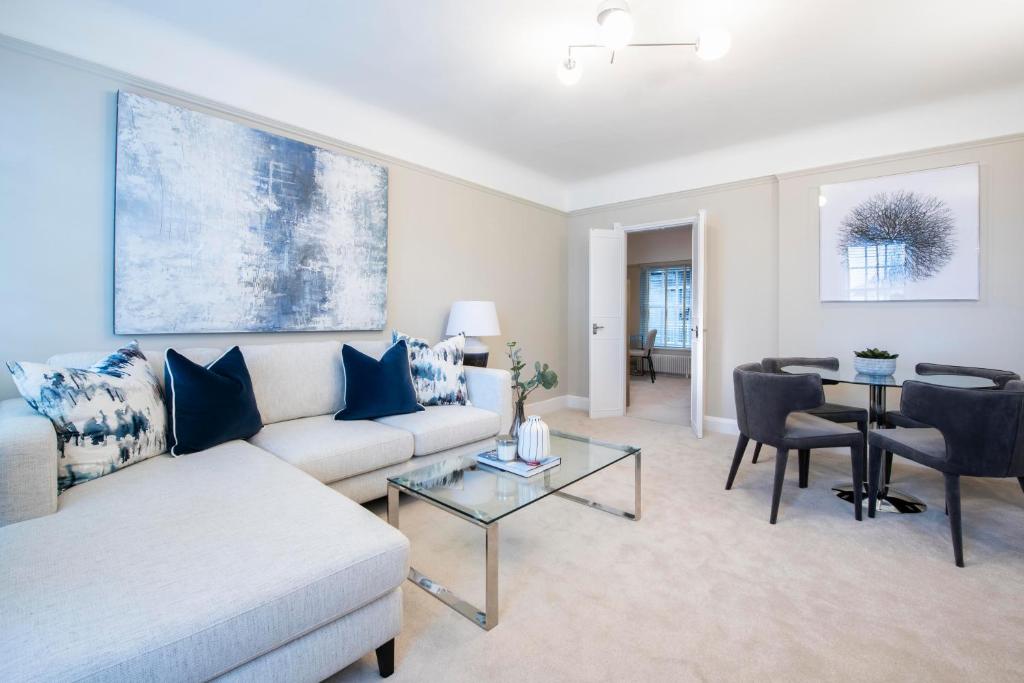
264	378
377	388
209	404
330	449
82	359
185	568
107	416
439	428
295	380
437	371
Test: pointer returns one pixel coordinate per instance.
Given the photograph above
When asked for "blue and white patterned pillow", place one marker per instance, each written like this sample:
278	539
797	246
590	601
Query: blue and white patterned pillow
108	416
437	371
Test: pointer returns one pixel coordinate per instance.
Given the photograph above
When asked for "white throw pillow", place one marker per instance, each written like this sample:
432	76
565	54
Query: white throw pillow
108	416
437	371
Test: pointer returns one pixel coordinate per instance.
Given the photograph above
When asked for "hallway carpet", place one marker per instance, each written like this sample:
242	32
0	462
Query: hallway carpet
703	588
666	400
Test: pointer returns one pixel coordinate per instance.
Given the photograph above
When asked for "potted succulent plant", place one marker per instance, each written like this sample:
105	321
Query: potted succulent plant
875	362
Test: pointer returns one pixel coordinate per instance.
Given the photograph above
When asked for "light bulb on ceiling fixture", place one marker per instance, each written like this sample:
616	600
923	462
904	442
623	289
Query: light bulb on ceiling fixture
569	71
615	24
713	43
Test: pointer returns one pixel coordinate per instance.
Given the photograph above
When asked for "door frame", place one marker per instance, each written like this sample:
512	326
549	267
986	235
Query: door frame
665	224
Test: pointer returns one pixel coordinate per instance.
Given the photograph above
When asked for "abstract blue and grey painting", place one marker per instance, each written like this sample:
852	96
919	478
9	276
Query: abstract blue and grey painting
220	227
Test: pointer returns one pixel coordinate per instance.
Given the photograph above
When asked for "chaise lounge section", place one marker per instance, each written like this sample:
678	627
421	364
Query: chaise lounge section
254	565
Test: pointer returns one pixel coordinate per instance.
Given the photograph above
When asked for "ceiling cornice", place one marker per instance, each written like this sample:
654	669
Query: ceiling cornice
671	196
965	119
554	204
916	154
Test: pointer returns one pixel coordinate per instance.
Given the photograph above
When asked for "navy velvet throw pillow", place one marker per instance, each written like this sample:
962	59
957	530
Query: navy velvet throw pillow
209	405
377	388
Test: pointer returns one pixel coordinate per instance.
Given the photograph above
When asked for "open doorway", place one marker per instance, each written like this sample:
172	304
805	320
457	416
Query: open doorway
659	323
608	329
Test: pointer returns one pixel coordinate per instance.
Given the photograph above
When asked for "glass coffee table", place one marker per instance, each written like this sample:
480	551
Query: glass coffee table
484	495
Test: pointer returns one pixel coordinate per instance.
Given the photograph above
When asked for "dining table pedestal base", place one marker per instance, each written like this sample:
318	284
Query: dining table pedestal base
891	500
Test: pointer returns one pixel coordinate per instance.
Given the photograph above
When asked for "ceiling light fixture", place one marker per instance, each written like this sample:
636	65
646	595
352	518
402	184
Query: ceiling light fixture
713	43
615	29
569	72
615	24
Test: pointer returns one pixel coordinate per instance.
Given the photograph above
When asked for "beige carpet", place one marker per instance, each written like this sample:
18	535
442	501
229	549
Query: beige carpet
703	588
666	400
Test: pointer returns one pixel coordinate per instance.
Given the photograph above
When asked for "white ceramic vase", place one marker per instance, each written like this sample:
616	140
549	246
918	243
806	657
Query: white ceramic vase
534	439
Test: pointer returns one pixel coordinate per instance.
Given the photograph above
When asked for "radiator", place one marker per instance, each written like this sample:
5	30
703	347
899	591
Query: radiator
674	364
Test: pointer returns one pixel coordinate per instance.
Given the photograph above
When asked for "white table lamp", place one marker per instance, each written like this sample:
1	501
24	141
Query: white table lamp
474	319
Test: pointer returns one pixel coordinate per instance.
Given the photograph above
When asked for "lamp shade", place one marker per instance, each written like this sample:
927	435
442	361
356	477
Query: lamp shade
474	319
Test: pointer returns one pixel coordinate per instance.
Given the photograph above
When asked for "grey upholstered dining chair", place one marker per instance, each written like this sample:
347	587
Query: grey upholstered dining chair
975	434
895	418
833	412
771	408
644	354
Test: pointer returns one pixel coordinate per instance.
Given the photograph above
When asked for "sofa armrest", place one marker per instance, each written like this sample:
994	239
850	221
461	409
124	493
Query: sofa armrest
491	389
28	463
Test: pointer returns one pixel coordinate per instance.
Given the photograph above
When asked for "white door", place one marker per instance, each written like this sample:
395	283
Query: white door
697	336
606	327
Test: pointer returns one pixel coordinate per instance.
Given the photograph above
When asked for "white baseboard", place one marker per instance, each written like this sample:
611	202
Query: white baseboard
557	403
712	423
579	402
721	425
546	406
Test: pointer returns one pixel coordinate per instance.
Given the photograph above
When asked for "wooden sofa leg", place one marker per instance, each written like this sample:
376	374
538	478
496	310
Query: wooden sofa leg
386	658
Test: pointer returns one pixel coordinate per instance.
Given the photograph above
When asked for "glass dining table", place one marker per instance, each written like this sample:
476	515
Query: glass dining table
890	499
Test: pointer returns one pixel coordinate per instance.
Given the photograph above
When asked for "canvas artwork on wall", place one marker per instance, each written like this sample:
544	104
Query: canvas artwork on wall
906	237
220	227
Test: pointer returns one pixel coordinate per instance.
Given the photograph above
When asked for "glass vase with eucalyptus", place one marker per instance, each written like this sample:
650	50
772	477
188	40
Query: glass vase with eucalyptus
543	377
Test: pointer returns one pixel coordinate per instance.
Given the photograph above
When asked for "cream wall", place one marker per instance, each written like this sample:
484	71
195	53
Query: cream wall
447	239
659	246
985	333
762	265
742	276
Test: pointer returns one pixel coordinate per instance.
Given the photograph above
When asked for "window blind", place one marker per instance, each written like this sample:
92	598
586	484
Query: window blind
666	299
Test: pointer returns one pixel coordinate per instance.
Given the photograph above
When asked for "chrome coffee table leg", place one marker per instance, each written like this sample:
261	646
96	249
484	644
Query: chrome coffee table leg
486	618
635	515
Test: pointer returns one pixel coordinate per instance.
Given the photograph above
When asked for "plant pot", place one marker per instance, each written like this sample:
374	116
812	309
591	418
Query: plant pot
877	367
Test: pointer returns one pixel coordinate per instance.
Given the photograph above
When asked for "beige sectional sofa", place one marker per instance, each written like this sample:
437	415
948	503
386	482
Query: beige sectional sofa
241	562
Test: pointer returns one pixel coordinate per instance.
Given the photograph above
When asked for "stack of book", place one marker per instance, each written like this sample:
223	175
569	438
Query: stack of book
517	466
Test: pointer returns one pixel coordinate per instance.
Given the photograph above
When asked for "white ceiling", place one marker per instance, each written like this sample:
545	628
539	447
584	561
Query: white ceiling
482	72
485	71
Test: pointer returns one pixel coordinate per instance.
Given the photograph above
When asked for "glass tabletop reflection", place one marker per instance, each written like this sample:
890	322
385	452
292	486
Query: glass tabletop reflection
488	494
847	375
